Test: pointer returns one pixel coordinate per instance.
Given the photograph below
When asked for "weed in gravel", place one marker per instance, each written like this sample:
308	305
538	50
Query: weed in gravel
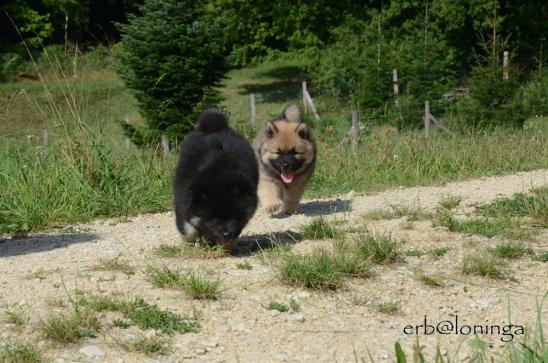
122	324
380	248
202	250
17	352
395	211
321	269
201	287
438	252
511	250
169	250
115	264
483	265
388	307
414	253
141	313
431	280
164	276
67	328
152	317
543	256
274	305
16	314
407	225
449	202
147	345
294	305
244	265
55	302
320	228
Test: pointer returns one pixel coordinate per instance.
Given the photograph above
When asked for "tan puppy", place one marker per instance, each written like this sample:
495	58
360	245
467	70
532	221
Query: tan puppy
286	152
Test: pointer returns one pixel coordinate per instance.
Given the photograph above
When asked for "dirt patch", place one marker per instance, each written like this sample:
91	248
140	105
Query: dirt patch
329	326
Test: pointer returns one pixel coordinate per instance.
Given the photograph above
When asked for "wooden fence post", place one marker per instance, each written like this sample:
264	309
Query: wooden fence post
165	144
355	130
505	61
305	91
253	111
312	106
126	120
45	137
396	86
427	118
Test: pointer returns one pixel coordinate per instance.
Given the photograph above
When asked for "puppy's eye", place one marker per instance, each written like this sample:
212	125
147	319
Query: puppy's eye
278	152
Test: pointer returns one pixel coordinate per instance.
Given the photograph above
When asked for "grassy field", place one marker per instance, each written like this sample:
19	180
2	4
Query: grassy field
86	172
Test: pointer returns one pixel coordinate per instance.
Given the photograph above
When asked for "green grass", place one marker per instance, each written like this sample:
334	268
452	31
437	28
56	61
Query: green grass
294	305
534	206
388	307
147	345
431	280
543	256
319	228
16	314
321	269
244	265
168	251
70	327
511	250
395	211
274	305
18	352
414	253
115	264
483	265
504	226
140	313
201	287
165	277
438	252
380	248
449	202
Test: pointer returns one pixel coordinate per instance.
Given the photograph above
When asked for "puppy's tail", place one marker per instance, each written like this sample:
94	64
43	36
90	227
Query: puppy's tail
212	120
293	113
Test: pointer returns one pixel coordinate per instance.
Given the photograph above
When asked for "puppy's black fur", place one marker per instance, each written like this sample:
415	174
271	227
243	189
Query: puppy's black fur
215	185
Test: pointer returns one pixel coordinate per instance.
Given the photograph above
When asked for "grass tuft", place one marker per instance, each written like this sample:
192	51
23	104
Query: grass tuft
148	345
321	269
16	352
438	252
274	305
319	228
431	280
449	202
201	287
414	253
395	211
168	251
16	314
381	249
164	276
68	328
244	265
115	264
483	265
511	250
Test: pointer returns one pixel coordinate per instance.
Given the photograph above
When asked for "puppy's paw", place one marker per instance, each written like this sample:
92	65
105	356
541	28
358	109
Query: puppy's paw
273	207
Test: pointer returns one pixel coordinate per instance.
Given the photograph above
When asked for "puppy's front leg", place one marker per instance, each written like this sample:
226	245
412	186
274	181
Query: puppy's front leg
269	195
292	196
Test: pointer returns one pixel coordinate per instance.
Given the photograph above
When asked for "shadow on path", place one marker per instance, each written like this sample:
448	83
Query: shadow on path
42	243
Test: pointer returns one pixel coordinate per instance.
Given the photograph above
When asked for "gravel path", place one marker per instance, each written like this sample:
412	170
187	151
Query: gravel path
340	326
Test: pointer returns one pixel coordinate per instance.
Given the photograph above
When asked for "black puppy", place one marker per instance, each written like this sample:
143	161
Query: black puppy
215	186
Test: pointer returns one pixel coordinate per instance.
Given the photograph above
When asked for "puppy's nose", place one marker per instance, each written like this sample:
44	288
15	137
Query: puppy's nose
226	234
285	165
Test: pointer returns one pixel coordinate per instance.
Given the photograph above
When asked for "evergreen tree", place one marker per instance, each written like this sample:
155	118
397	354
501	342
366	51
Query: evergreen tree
171	60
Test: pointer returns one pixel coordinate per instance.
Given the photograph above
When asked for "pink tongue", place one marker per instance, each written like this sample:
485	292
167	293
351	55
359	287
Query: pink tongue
287	176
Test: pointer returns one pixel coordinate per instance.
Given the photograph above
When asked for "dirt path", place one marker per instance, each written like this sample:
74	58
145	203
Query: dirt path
331	326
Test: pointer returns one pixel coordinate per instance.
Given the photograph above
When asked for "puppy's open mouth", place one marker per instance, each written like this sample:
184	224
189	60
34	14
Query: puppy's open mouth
225	242
287	176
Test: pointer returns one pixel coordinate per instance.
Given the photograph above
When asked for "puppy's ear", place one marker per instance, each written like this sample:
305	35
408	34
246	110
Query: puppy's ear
303	131
271	130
